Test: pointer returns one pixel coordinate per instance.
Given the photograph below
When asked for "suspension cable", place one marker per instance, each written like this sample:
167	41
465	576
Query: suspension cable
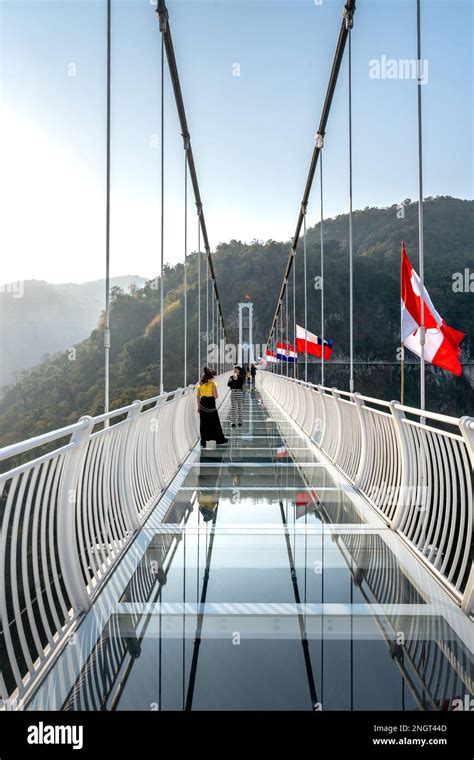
294	321
420	211
207	310
322	263
107	222
305	274
165	30
185	267
351	254
199	295
162	239
287	333
346	25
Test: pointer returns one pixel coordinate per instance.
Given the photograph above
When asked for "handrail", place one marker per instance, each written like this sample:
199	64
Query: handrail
66	518
418	477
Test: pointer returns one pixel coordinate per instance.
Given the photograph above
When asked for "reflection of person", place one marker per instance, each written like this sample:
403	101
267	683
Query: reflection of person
236	383
208	503
210	424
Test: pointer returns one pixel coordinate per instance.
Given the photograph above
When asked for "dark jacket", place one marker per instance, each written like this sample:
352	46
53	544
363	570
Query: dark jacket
236	384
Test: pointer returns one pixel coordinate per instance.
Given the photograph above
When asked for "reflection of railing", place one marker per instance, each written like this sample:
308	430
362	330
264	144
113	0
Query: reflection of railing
68	514
432	660
105	673
414	467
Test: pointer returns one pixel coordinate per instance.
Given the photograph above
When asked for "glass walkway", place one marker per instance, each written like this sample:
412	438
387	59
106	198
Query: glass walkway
262	581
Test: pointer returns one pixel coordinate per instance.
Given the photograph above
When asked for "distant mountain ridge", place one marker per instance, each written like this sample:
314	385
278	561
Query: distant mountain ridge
39	318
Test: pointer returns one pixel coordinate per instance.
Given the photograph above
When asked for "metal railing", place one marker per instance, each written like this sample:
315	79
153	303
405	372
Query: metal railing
414	467
70	505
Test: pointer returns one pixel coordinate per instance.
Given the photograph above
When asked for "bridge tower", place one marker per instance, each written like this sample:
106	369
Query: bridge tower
245	347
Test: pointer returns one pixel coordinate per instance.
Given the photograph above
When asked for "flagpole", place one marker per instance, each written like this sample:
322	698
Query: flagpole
420	212
402	345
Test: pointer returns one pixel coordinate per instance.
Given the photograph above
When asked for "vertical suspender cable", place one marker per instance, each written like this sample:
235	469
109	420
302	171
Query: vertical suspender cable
351	272
162	256
420	211
281	334
199	294
107	221
305	300
287	332
294	319
185	266
207	310
213	341
322	263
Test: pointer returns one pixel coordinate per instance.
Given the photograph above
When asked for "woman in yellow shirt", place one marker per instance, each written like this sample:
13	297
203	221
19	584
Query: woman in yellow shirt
210	424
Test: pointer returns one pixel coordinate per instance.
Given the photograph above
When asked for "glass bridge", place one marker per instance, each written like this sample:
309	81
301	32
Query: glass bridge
263	581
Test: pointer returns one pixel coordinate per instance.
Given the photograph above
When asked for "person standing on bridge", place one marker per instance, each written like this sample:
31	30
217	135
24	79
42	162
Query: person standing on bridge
236	383
210	425
253	372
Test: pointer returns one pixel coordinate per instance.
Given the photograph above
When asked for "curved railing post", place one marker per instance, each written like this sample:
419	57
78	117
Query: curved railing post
69	556
359	402
319	425
337	397
466	425
467	603
127	456
402	500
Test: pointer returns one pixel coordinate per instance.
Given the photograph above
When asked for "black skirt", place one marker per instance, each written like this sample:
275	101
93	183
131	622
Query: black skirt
210	424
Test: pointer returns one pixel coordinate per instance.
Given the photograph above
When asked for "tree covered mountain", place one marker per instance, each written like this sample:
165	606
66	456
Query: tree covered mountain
38	318
60	389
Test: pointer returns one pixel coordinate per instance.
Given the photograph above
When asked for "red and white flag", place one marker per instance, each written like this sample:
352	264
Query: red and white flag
441	342
270	356
309	343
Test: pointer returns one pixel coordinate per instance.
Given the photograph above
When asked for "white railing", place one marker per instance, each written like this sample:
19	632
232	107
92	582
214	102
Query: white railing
68	513
415	468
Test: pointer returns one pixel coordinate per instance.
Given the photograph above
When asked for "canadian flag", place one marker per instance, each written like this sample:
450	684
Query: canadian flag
441	342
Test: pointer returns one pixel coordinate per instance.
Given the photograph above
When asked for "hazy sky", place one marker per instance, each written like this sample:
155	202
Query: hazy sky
252	134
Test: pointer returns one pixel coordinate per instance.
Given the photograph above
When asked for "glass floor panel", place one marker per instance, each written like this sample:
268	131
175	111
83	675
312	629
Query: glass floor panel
265	587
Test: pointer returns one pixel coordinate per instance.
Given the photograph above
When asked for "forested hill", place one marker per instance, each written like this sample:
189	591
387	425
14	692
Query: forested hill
59	390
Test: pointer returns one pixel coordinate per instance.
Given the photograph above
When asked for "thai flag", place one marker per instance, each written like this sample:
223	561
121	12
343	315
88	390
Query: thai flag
286	353
309	343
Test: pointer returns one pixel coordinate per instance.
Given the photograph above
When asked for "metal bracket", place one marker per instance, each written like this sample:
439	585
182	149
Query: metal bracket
162	12
319	141
186	141
348	16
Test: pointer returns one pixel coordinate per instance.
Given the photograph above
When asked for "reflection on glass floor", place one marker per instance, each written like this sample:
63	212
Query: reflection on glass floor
265	587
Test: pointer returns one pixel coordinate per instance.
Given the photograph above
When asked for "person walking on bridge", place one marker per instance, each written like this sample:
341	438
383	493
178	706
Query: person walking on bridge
236	383
209	425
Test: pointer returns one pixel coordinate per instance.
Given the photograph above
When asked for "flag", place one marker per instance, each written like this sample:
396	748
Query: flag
441	342
305	502
308	343
286	353
270	356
